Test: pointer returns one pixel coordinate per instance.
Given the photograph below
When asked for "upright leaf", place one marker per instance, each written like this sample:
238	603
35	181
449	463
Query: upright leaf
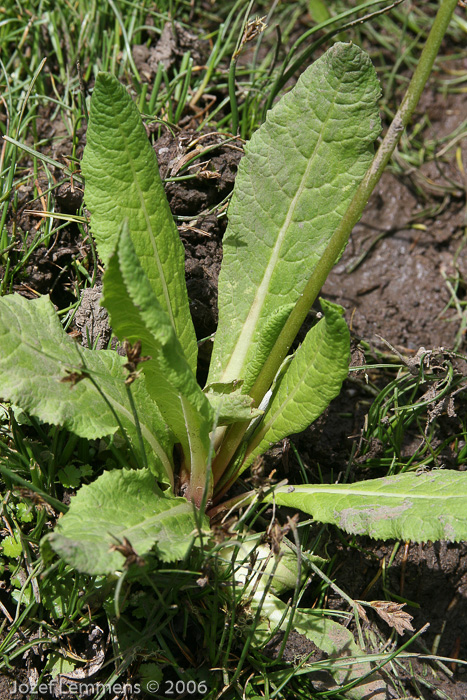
136	314
300	171
312	379
123	505
48	374
123	182
421	508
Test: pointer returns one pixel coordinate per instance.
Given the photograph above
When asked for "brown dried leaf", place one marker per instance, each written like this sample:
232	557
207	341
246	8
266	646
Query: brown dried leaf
361	612
74	377
125	548
134	357
253	28
393	614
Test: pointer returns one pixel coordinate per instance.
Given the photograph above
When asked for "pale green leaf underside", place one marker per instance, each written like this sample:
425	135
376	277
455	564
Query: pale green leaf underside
36	353
329	636
123	182
122	504
299	173
428	507
136	314
312	379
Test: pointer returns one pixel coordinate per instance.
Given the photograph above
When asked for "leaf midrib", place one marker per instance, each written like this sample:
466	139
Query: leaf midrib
235	364
172	511
337	489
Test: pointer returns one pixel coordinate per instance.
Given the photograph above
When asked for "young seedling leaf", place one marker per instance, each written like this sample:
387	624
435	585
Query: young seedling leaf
136	315
123	182
116	520
426	507
299	173
309	383
49	375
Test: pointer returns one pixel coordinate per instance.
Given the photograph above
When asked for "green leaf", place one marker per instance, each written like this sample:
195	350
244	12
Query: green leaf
123	504
232	407
57	664
299	173
253	564
318	10
309	383
24	512
123	182
252	567
150	672
57	592
426	507
136	314
271	330
70	476
22	596
11	546
329	636
36	356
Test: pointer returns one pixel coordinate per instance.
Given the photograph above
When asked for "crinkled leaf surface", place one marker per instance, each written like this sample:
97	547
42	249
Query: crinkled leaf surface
123	182
299	173
426	507
271	330
136	314
36	354
122	504
329	636
233	407
309	383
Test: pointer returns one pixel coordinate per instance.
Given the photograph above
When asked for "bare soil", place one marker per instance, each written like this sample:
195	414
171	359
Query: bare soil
399	289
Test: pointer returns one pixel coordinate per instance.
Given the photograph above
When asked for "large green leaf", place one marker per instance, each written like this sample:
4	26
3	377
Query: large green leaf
36	355
426	507
136	314
252	568
123	505
123	182
299	173
309	383
329	636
